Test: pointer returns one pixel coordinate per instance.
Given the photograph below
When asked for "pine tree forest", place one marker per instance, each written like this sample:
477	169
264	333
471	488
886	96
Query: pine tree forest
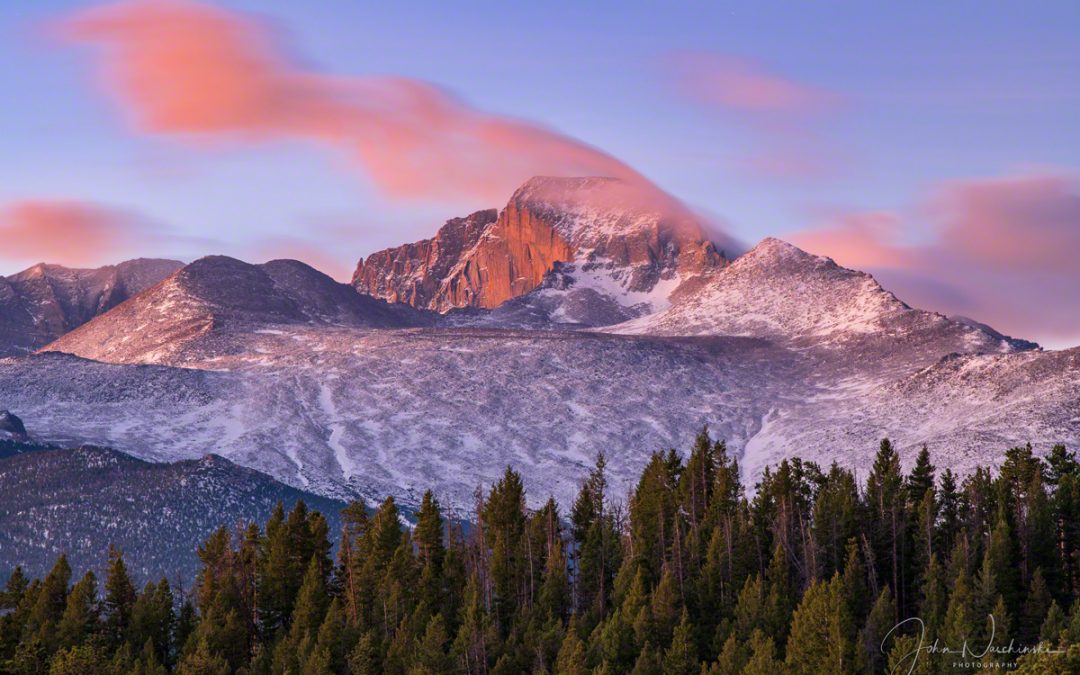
811	570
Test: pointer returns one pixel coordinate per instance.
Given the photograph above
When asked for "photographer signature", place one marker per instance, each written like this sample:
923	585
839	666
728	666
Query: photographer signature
964	652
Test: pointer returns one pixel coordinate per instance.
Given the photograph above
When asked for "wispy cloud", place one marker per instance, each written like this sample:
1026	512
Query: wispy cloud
1001	250
785	118
69	232
191	71
746	86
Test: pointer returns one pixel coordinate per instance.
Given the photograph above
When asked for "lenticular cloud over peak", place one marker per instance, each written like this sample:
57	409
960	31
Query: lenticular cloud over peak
185	69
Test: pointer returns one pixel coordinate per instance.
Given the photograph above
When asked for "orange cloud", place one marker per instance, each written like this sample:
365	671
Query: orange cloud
185	69
1001	250
66	232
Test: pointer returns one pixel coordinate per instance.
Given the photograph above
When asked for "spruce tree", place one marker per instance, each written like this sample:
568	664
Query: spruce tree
571	659
119	598
202	661
681	658
948	512
887	525
503	520
1053	625
431	655
763	658
819	640
649	662
871	650
81	619
1036	606
83	659
49	602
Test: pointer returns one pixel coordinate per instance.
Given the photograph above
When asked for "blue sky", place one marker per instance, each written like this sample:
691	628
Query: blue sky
926	93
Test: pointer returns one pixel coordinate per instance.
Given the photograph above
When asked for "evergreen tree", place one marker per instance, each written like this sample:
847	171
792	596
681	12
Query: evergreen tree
554	598
152	619
49	602
431	550
119	598
819	631
681	657
696	568
887	522
763	659
648	662
921	479
571	659
503	520
203	661
652	509
948	512
432	658
836	521
83	659
1053	625
335	638
1036	606
81	619
934	598
871	650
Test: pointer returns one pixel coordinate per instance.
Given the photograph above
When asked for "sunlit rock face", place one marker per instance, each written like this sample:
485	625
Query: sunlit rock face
605	236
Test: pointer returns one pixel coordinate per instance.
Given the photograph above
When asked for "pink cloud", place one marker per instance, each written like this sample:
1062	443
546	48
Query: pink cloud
1027	223
188	70
1001	250
66	232
745	86
783	117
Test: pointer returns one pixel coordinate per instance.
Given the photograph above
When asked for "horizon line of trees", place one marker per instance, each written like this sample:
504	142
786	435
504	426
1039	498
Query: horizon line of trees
813	573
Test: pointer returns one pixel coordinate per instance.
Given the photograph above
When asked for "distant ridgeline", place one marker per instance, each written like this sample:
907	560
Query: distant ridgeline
814	572
80	501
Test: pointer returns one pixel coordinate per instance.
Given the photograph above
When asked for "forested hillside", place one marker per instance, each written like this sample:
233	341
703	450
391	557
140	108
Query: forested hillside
812	571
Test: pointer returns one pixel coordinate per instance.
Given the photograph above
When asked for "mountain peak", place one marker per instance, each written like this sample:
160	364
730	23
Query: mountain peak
622	243
568	191
773	251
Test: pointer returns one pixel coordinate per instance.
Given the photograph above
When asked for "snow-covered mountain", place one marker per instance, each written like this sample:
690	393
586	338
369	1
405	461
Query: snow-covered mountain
589	251
781	353
43	302
781	292
213	297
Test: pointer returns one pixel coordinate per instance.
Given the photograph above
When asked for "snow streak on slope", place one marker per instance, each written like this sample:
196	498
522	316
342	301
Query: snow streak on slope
425	408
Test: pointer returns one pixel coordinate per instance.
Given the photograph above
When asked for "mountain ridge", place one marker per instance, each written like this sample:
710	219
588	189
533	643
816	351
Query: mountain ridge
157	513
45	301
216	294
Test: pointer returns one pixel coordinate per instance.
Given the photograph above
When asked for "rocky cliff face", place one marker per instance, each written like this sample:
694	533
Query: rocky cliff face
413	273
606	234
43	302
